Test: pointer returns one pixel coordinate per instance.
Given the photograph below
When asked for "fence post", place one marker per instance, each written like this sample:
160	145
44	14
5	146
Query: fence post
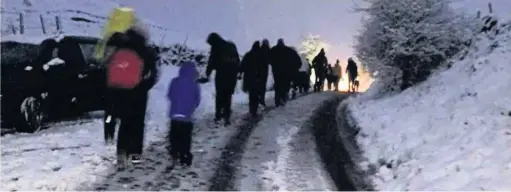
57	22
186	39
13	29
490	7
22	24
42	24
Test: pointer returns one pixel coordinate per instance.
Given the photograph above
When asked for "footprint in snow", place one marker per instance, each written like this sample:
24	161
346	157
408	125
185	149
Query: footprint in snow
126	180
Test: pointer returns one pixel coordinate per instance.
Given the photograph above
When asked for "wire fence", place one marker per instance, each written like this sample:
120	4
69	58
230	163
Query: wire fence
32	22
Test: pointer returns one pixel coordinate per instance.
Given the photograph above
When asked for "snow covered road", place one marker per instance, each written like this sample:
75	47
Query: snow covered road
281	153
209	143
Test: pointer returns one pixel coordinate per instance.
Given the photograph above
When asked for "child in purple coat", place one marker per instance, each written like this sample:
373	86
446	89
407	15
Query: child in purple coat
184	96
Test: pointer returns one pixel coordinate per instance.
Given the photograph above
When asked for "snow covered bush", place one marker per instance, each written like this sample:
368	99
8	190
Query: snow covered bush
177	53
405	40
311	45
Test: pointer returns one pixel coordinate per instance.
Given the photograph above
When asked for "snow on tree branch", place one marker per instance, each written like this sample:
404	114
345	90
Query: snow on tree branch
311	45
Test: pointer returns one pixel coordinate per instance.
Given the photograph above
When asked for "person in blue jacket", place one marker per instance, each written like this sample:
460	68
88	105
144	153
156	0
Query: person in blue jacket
184	95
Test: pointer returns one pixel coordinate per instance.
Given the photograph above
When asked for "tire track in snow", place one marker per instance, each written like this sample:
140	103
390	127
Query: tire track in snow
223	179
330	147
232	153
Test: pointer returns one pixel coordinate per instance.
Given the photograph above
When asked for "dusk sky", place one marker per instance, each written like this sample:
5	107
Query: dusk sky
245	21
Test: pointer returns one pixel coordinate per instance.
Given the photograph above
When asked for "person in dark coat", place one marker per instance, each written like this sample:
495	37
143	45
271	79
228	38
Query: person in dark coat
264	67
225	60
303	78
112	111
285	64
319	64
352	71
252	76
329	76
129	105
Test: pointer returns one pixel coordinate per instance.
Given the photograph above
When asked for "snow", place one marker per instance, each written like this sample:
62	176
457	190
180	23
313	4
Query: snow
71	155
281	152
452	132
53	62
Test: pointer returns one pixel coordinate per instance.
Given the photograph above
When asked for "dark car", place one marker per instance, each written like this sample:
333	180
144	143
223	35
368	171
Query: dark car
56	79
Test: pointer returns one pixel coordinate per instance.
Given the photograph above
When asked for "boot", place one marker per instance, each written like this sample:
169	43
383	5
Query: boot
186	160
136	158
174	161
217	120
227	122
122	161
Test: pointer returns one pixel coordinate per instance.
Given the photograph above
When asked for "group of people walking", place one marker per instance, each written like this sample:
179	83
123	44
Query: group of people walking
324	71
131	72
253	69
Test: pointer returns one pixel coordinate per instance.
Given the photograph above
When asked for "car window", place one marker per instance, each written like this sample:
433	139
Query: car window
88	53
14	52
55	53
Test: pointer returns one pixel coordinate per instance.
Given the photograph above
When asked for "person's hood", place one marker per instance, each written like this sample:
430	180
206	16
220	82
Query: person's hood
135	39
214	39
266	42
138	35
141	29
322	52
280	43
188	71
255	46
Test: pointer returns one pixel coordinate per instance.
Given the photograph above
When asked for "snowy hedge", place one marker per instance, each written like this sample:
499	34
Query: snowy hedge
178	53
405	40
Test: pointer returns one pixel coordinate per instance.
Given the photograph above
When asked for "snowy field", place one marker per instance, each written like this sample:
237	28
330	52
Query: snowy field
281	152
82	17
452	132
